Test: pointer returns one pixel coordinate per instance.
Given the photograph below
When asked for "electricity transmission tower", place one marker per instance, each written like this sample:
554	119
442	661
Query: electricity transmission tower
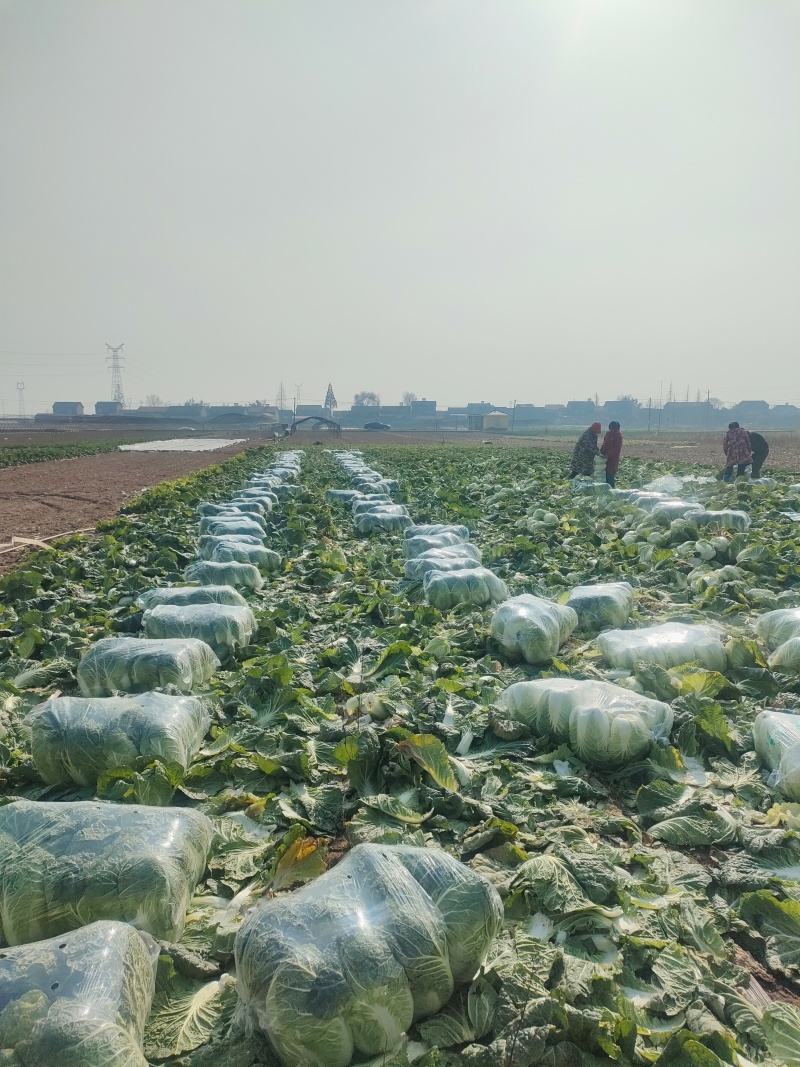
280	399
21	398
115	360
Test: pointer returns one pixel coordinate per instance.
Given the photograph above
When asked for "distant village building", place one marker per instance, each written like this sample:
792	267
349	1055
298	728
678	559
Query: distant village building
67	407
106	407
496	420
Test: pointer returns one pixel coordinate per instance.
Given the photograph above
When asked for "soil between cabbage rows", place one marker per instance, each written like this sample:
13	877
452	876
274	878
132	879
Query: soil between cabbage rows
44	499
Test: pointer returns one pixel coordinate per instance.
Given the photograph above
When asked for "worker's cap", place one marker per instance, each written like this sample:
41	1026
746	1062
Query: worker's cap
596	427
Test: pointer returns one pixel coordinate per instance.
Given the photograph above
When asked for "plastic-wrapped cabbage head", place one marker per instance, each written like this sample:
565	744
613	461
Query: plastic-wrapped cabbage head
190	594
531	628
252	508
138	665
416	545
235	513
777	741
365	504
78	1000
64	865
242	576
454	558
231	550
223	627
728	519
435	528
604	724
387	521
671	644
76	739
778	626
604	604
472	585
346	963
208	542
227	526
786	657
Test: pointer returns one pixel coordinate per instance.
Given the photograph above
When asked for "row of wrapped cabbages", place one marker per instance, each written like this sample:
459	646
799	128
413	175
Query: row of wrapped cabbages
439	555
85	887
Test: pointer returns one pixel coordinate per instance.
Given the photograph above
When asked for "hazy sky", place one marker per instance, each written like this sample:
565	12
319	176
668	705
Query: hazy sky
469	199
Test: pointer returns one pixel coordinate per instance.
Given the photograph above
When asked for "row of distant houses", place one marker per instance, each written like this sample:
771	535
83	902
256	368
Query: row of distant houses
427	415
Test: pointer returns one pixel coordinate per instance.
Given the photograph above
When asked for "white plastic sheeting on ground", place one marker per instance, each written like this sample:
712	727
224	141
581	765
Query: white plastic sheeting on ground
184	444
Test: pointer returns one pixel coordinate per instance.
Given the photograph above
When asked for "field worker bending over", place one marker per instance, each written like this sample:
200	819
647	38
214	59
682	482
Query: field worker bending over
612	448
736	447
585	451
760	452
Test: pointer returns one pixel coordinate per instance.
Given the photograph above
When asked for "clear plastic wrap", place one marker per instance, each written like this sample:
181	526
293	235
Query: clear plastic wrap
232	513
786	657
604	724
777	741
76	739
341	496
676	509
251	507
364	505
343	966
669	645
223	627
211	572
435	528
474	585
230	526
208	542
65	865
230	550
263	495
531	628
189	594
729	519
387	521
455	558
78	1000
776	627
287	492
416	545
601	605
137	665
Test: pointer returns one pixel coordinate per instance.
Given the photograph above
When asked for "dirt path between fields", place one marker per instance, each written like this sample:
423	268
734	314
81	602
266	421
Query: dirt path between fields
43	499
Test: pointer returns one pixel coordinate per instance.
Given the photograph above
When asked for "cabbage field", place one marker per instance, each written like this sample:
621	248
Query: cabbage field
430	757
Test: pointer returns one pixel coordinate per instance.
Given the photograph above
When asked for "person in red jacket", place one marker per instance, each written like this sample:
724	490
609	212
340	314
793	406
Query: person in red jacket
612	447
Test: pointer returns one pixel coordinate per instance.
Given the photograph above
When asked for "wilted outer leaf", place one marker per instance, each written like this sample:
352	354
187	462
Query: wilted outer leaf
429	752
397	809
781	1024
301	861
185	1013
778	922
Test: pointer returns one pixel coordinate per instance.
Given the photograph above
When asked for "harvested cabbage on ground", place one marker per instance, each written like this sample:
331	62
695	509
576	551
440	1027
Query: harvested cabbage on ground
532	629
63	866
76	739
471	585
601	605
77	1000
190	594
223	627
345	965
669	644
136	665
604	724
243	576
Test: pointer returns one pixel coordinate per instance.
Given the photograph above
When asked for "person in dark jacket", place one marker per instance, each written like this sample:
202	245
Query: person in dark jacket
585	451
612	449
738	453
760	450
